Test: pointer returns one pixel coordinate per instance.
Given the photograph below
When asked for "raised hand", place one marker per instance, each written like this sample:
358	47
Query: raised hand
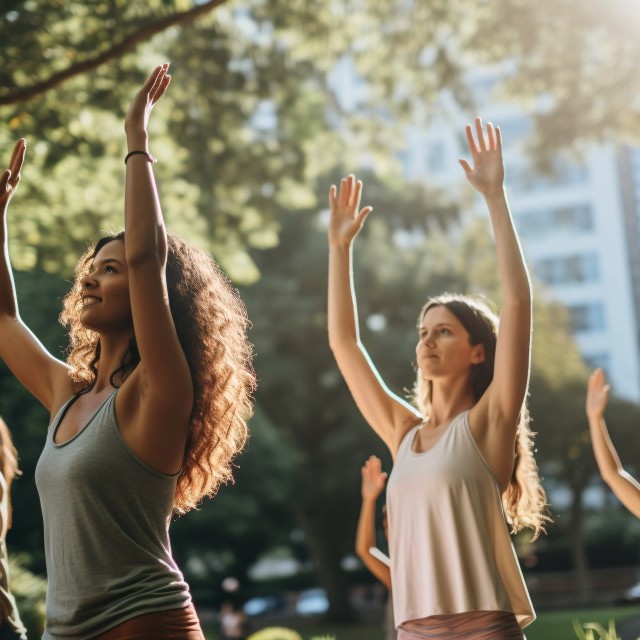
487	173
597	394
143	102
373	478
346	219
11	176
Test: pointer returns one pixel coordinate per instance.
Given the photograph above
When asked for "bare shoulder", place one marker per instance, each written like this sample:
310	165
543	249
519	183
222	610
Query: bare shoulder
64	387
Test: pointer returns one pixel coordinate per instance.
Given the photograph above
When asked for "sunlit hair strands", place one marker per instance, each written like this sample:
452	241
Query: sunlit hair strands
211	323
524	500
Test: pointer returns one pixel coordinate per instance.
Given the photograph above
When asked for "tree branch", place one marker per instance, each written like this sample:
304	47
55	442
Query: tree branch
144	33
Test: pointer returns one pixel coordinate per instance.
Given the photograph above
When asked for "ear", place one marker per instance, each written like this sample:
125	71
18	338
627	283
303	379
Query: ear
478	354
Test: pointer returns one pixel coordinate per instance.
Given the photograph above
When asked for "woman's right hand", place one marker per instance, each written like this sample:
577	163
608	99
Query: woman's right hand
597	394
11	176
373	478
346	219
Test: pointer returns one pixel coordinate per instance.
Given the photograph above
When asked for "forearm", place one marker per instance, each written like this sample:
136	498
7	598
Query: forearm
625	487
8	300
605	453
514	277
366	532
145	234
343	319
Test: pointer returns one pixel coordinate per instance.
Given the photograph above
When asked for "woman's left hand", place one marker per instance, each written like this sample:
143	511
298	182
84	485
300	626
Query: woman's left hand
487	173
143	102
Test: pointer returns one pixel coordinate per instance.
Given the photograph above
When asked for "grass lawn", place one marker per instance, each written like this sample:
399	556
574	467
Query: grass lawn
554	625
557	625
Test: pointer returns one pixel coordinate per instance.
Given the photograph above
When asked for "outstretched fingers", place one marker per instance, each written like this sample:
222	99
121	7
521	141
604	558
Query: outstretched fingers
480	133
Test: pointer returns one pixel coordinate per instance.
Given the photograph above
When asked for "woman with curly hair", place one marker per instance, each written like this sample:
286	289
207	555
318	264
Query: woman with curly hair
146	414
464	458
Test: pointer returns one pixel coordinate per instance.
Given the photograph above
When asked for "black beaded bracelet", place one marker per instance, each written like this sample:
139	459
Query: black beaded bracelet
150	158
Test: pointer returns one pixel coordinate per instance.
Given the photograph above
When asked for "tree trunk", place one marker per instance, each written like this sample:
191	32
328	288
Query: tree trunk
579	546
326	558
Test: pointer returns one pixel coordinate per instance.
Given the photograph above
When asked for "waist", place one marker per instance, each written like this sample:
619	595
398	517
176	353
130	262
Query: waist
472	625
180	623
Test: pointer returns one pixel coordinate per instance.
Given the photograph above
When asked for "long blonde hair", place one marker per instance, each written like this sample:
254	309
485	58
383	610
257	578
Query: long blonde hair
524	499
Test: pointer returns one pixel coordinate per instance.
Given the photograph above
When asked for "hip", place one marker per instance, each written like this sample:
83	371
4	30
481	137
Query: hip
472	625
173	624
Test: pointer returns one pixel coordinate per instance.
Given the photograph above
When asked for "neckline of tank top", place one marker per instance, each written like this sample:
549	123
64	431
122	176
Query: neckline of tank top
447	430
65	408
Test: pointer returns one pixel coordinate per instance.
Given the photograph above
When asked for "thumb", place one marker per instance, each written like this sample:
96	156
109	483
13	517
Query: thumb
363	215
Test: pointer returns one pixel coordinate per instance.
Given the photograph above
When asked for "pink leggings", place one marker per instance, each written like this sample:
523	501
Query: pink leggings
474	625
175	624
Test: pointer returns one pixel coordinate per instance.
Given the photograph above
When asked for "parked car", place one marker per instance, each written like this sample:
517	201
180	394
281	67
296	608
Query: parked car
264	605
312	602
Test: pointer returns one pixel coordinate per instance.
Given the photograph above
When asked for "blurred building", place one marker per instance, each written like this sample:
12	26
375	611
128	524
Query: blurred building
579	224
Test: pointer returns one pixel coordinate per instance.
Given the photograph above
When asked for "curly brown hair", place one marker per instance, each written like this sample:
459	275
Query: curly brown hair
524	500
211	323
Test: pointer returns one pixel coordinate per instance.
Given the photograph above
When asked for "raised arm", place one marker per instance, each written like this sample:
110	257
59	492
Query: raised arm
373	481
163	374
388	415
497	412
624	486
43	375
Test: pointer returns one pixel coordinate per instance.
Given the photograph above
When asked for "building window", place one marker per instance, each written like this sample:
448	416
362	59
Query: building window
587	317
598	361
568	269
543	223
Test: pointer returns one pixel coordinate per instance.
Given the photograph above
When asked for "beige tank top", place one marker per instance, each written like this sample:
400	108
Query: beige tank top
448	538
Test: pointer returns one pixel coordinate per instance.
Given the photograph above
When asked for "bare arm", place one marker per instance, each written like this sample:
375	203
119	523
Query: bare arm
373	480
43	375
167	389
624	486
388	415
495	417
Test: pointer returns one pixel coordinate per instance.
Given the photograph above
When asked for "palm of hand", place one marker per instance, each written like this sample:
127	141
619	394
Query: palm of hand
373	478
487	173
345	219
11	176
597	393
143	102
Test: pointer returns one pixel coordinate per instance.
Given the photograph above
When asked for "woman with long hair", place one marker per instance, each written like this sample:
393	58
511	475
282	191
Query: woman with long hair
463	458
11	626
146	413
624	486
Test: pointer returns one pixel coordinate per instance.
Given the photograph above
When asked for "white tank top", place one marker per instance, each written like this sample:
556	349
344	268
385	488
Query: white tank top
448	538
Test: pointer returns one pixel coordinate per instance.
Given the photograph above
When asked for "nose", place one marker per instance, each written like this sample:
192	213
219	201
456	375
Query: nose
88	281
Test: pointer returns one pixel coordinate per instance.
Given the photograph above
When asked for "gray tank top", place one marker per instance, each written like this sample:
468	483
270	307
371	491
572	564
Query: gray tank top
106	531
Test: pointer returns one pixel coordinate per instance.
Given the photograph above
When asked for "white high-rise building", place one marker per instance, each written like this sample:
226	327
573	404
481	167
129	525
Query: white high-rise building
580	227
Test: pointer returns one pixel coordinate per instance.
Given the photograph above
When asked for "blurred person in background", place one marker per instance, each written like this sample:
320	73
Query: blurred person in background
373	481
625	487
11	627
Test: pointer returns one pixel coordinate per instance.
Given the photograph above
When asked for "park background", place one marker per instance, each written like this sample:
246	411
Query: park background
272	101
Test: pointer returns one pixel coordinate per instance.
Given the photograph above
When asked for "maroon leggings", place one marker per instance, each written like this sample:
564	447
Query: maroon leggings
175	624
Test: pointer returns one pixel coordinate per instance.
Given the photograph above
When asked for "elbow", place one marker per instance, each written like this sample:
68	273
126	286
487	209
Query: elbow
340	344
362	552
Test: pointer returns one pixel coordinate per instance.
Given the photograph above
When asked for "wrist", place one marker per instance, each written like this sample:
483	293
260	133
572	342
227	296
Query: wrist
340	245
137	139
493	195
369	499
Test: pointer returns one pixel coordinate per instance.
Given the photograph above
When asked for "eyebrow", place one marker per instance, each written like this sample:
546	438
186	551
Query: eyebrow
107	261
440	324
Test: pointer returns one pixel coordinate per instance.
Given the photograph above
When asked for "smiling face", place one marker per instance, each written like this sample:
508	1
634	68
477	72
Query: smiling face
444	347
105	291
